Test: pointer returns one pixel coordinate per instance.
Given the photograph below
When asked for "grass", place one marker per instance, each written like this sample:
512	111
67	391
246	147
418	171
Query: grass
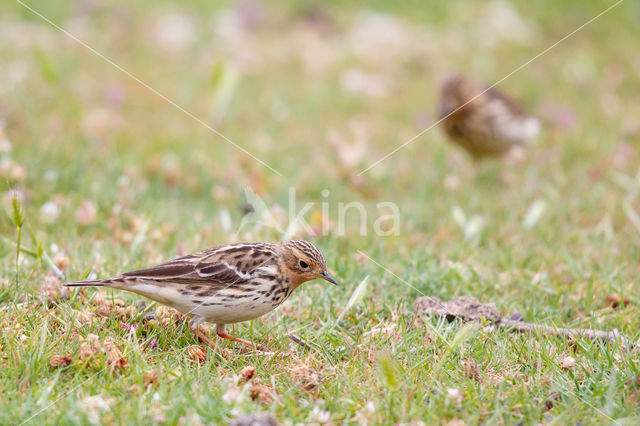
162	184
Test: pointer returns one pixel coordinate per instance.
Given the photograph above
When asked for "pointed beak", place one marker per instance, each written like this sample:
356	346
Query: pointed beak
328	277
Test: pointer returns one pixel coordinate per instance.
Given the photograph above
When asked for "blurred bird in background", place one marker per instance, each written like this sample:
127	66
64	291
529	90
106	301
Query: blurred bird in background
482	120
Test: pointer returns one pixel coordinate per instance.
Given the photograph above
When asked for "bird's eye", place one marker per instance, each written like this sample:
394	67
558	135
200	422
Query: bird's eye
303	264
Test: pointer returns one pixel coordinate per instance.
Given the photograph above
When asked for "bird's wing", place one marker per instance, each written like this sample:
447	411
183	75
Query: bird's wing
223	266
236	263
511	104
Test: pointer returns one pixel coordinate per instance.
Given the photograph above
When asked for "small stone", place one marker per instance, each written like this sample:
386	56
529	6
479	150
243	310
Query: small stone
465	308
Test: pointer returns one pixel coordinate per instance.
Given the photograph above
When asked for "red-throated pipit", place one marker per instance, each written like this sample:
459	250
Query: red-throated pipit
484	124
225	284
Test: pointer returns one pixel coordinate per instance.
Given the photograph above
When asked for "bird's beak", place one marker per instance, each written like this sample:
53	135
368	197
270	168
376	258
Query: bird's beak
445	109
328	277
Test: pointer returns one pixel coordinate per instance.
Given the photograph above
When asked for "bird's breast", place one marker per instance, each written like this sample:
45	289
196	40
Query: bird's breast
240	303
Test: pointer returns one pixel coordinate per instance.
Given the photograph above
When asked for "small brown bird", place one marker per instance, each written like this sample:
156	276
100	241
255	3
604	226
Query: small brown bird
225	284
484	121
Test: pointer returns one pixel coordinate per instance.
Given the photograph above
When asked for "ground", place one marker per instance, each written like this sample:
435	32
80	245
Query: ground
115	163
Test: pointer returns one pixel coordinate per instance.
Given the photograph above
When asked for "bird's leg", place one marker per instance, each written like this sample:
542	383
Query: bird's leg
194	325
223	335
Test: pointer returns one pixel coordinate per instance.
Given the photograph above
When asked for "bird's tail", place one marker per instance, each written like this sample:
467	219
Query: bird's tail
88	283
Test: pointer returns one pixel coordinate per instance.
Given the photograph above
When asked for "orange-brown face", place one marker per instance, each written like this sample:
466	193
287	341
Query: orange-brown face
304	262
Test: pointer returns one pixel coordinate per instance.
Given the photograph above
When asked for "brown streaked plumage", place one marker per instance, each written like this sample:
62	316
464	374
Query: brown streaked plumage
225	284
484	124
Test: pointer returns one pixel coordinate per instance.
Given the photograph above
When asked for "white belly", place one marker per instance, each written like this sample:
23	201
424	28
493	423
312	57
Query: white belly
239	312
220	308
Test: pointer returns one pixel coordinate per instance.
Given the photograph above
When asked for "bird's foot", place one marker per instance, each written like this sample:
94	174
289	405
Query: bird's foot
247	343
202	338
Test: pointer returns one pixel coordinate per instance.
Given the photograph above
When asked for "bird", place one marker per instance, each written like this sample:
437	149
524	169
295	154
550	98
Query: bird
482	120
225	284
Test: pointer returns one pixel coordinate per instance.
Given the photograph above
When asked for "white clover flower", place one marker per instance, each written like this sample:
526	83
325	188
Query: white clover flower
49	212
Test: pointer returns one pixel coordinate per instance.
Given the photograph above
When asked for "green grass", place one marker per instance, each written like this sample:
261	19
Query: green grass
161	184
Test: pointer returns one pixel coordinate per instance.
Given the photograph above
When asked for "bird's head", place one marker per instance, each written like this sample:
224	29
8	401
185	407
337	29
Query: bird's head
456	96
303	262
